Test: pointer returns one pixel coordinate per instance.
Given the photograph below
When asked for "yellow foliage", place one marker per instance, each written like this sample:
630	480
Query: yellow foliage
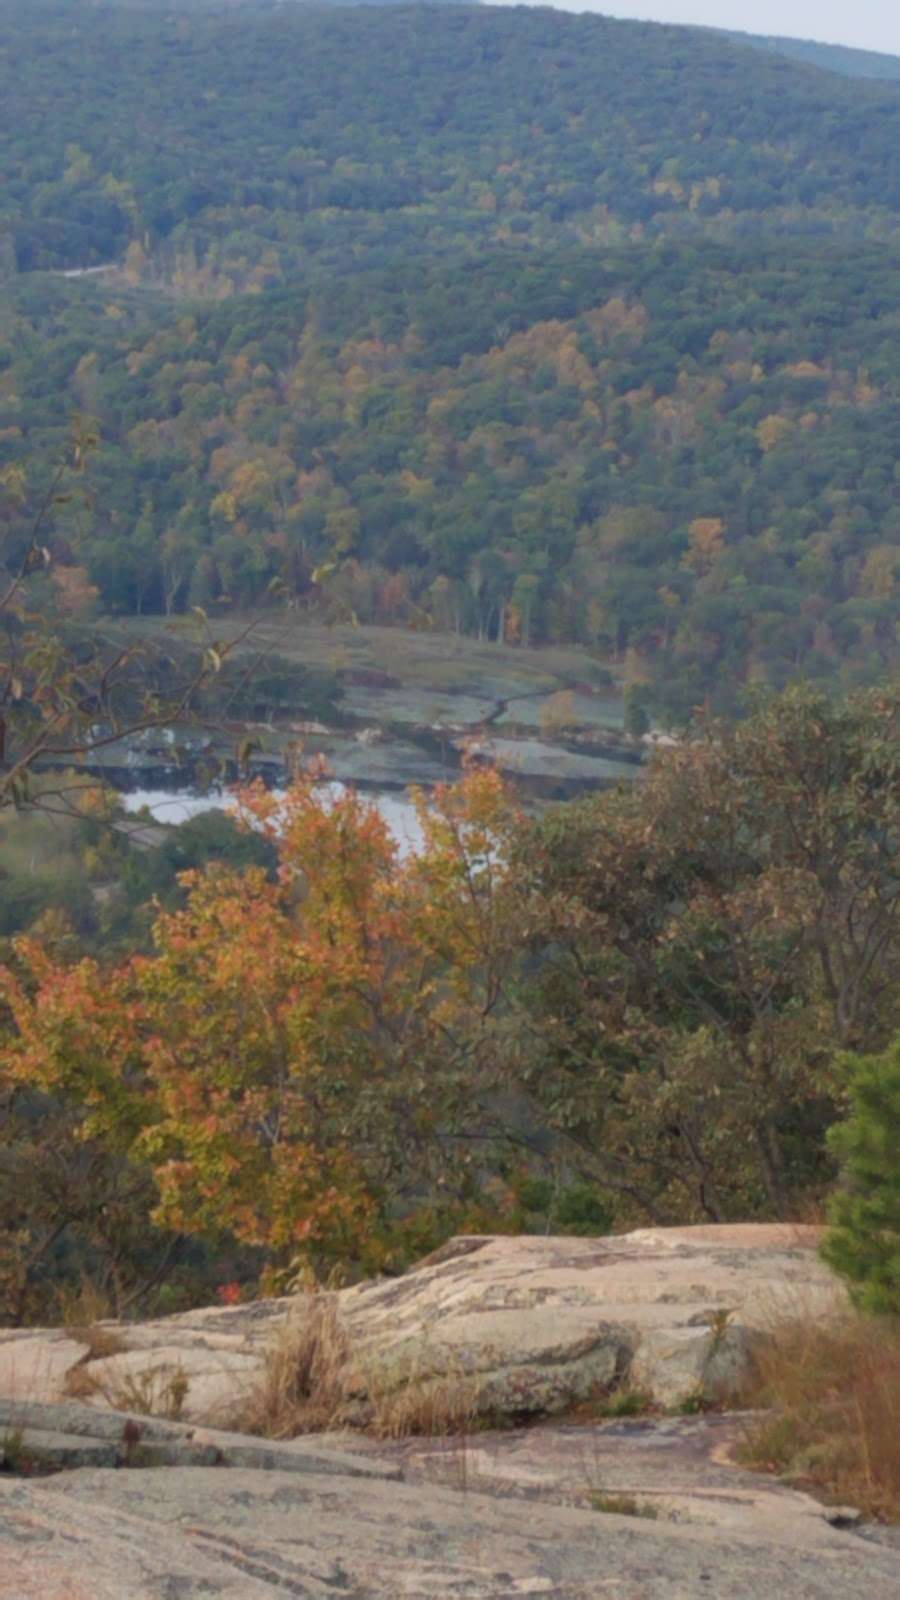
76	595
707	541
572	366
224	505
771	431
670	186
80	165
558	713
879	576
804	369
135	262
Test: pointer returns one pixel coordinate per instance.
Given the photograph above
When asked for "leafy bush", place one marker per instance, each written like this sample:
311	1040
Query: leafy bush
576	1207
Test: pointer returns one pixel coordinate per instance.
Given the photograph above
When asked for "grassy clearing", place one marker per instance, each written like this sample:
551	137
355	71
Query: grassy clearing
426	659
831	1393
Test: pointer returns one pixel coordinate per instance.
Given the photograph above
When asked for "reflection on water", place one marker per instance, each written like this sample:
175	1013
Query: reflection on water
174	806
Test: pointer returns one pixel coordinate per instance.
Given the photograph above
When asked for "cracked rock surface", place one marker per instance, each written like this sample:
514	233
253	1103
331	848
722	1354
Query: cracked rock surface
493	1518
537	1323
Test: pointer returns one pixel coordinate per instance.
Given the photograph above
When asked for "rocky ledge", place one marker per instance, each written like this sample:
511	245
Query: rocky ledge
101	1503
534	1325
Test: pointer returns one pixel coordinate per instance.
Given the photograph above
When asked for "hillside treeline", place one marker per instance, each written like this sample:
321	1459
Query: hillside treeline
250	141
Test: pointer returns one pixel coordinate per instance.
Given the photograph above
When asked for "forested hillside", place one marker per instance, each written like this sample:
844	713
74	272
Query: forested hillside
687	452
252	142
500	325
531	326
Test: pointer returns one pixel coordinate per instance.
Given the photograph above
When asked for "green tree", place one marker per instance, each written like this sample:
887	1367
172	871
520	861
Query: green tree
863	1243
637	713
705	943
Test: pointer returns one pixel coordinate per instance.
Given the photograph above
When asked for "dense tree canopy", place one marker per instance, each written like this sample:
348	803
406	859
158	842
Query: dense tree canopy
518	325
268	137
864	1241
704	942
851	63
686	452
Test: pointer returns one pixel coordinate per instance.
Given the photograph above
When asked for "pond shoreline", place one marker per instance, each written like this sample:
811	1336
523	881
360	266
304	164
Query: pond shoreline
371	759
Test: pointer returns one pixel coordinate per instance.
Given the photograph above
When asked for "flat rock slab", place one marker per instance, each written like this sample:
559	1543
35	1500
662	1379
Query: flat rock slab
491	1517
678	1469
68	1435
533	1324
182	1532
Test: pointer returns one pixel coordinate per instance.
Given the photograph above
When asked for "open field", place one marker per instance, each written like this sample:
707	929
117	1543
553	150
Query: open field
432	668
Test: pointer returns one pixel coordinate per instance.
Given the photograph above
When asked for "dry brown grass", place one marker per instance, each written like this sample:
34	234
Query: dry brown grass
80	1382
99	1342
621	1505
306	1380
315	1378
831	1389
155	1391
406	1402
82	1306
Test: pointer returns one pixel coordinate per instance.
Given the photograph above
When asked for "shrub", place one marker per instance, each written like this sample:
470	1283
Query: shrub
621	1505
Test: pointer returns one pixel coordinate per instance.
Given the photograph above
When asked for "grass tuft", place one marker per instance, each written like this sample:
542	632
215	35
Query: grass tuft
99	1342
406	1402
315	1378
831	1391
156	1391
627	1403
306	1382
621	1505
12	1452
82	1305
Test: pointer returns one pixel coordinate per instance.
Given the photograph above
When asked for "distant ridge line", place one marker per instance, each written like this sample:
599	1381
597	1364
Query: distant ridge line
845	60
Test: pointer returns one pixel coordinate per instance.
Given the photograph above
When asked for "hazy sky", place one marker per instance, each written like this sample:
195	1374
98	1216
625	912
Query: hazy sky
868	24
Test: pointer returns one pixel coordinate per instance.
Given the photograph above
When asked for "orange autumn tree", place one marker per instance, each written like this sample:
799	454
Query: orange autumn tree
299	1059
72	1103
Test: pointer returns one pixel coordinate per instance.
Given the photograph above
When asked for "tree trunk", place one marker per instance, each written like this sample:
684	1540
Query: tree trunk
772	1158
